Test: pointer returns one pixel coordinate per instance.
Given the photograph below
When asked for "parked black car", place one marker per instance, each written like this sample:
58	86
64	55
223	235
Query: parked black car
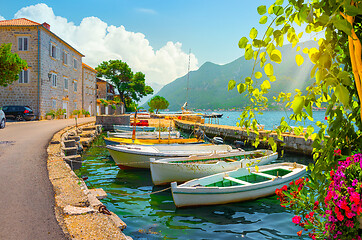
19	113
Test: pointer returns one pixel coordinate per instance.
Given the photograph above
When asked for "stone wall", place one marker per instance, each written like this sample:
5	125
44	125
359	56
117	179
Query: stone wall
290	143
89	89
70	98
107	122
22	93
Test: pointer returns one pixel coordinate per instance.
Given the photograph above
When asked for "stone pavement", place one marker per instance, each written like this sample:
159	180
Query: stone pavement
26	194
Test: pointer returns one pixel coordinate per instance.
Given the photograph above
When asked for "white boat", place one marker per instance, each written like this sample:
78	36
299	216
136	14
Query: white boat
138	156
145	135
168	170
130	128
234	186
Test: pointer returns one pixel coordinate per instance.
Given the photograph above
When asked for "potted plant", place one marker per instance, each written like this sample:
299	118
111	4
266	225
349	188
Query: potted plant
50	115
75	113
81	113
87	114
60	113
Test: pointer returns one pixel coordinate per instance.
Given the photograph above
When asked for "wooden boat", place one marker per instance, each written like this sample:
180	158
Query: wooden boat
234	186
116	141
138	156
168	170
145	135
130	128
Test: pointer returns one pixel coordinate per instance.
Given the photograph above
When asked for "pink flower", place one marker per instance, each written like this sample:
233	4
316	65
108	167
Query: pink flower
296	219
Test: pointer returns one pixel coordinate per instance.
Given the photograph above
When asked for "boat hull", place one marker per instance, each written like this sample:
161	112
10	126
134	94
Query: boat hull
138	156
186	196
164	171
130	128
116	141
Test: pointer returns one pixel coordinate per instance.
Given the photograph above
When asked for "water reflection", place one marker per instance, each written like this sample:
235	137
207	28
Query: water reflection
154	216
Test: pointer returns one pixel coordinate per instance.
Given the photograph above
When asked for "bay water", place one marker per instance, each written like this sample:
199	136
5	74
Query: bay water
150	212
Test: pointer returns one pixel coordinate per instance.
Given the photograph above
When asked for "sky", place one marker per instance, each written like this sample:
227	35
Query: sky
152	36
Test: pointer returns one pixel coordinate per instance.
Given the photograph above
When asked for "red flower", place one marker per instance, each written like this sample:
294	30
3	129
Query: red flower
300	233
285	188
296	219
325	118
337	152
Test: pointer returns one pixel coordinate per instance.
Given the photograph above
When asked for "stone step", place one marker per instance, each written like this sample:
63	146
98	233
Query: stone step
68	151
90	128
99	193
87	134
69	143
74	161
76	138
86	141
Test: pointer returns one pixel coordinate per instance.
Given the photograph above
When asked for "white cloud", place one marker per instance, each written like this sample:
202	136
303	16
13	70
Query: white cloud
2	18
146	10
99	42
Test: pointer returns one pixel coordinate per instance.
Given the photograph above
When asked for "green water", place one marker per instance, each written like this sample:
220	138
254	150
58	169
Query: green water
154	216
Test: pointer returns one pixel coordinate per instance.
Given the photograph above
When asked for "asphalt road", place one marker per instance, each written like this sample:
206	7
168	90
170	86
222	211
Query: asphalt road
26	194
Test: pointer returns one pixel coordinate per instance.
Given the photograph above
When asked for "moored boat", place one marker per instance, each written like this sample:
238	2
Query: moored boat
234	186
130	128
167	170
116	141
138	156
145	135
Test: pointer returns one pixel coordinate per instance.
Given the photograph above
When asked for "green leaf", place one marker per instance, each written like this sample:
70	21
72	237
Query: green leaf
345	78
342	25
243	42
258	75
270	9
280	20
241	88
276	56
261	9
263	20
298	104
249	53
265	85
299	59
253	33
231	85
279	2
268	69
278	10
342	94
352	10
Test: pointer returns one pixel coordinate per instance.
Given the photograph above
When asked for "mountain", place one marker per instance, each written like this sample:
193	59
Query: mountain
156	87
208	86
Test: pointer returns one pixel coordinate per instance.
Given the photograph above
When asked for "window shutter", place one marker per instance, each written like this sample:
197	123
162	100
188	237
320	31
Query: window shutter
58	53
26	76
50	49
25	44
20	44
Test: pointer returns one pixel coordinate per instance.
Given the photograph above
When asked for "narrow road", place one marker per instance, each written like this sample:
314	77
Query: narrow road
26	194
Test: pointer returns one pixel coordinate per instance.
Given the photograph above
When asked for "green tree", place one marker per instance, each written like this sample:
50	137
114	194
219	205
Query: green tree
10	65
158	102
337	78
129	85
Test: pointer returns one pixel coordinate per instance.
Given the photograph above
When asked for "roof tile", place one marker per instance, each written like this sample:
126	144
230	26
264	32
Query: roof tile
18	22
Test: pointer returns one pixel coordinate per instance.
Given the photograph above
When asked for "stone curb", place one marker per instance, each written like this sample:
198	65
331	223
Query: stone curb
76	208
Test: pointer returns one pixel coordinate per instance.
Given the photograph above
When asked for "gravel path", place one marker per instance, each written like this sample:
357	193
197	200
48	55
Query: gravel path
26	194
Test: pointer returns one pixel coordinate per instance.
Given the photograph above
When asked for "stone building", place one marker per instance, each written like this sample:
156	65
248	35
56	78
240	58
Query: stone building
54	77
89	91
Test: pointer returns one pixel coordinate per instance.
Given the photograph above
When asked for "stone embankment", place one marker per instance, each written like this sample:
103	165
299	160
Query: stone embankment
78	210
290	143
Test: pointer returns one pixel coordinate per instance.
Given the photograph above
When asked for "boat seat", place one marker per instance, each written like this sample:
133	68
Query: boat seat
264	175
230	160
237	181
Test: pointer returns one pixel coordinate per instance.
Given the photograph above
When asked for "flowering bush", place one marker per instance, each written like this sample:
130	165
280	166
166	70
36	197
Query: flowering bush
336	215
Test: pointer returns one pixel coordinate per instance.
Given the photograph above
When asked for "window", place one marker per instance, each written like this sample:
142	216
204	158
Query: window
75	63
65	83
54	80
75	105
24	76
75	86
65	57
23	43
54	51
54	104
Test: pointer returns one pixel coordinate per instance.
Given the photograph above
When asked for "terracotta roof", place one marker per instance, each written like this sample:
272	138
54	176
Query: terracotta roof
18	22
87	66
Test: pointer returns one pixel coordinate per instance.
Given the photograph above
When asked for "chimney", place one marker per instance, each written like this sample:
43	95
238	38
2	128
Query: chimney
46	25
